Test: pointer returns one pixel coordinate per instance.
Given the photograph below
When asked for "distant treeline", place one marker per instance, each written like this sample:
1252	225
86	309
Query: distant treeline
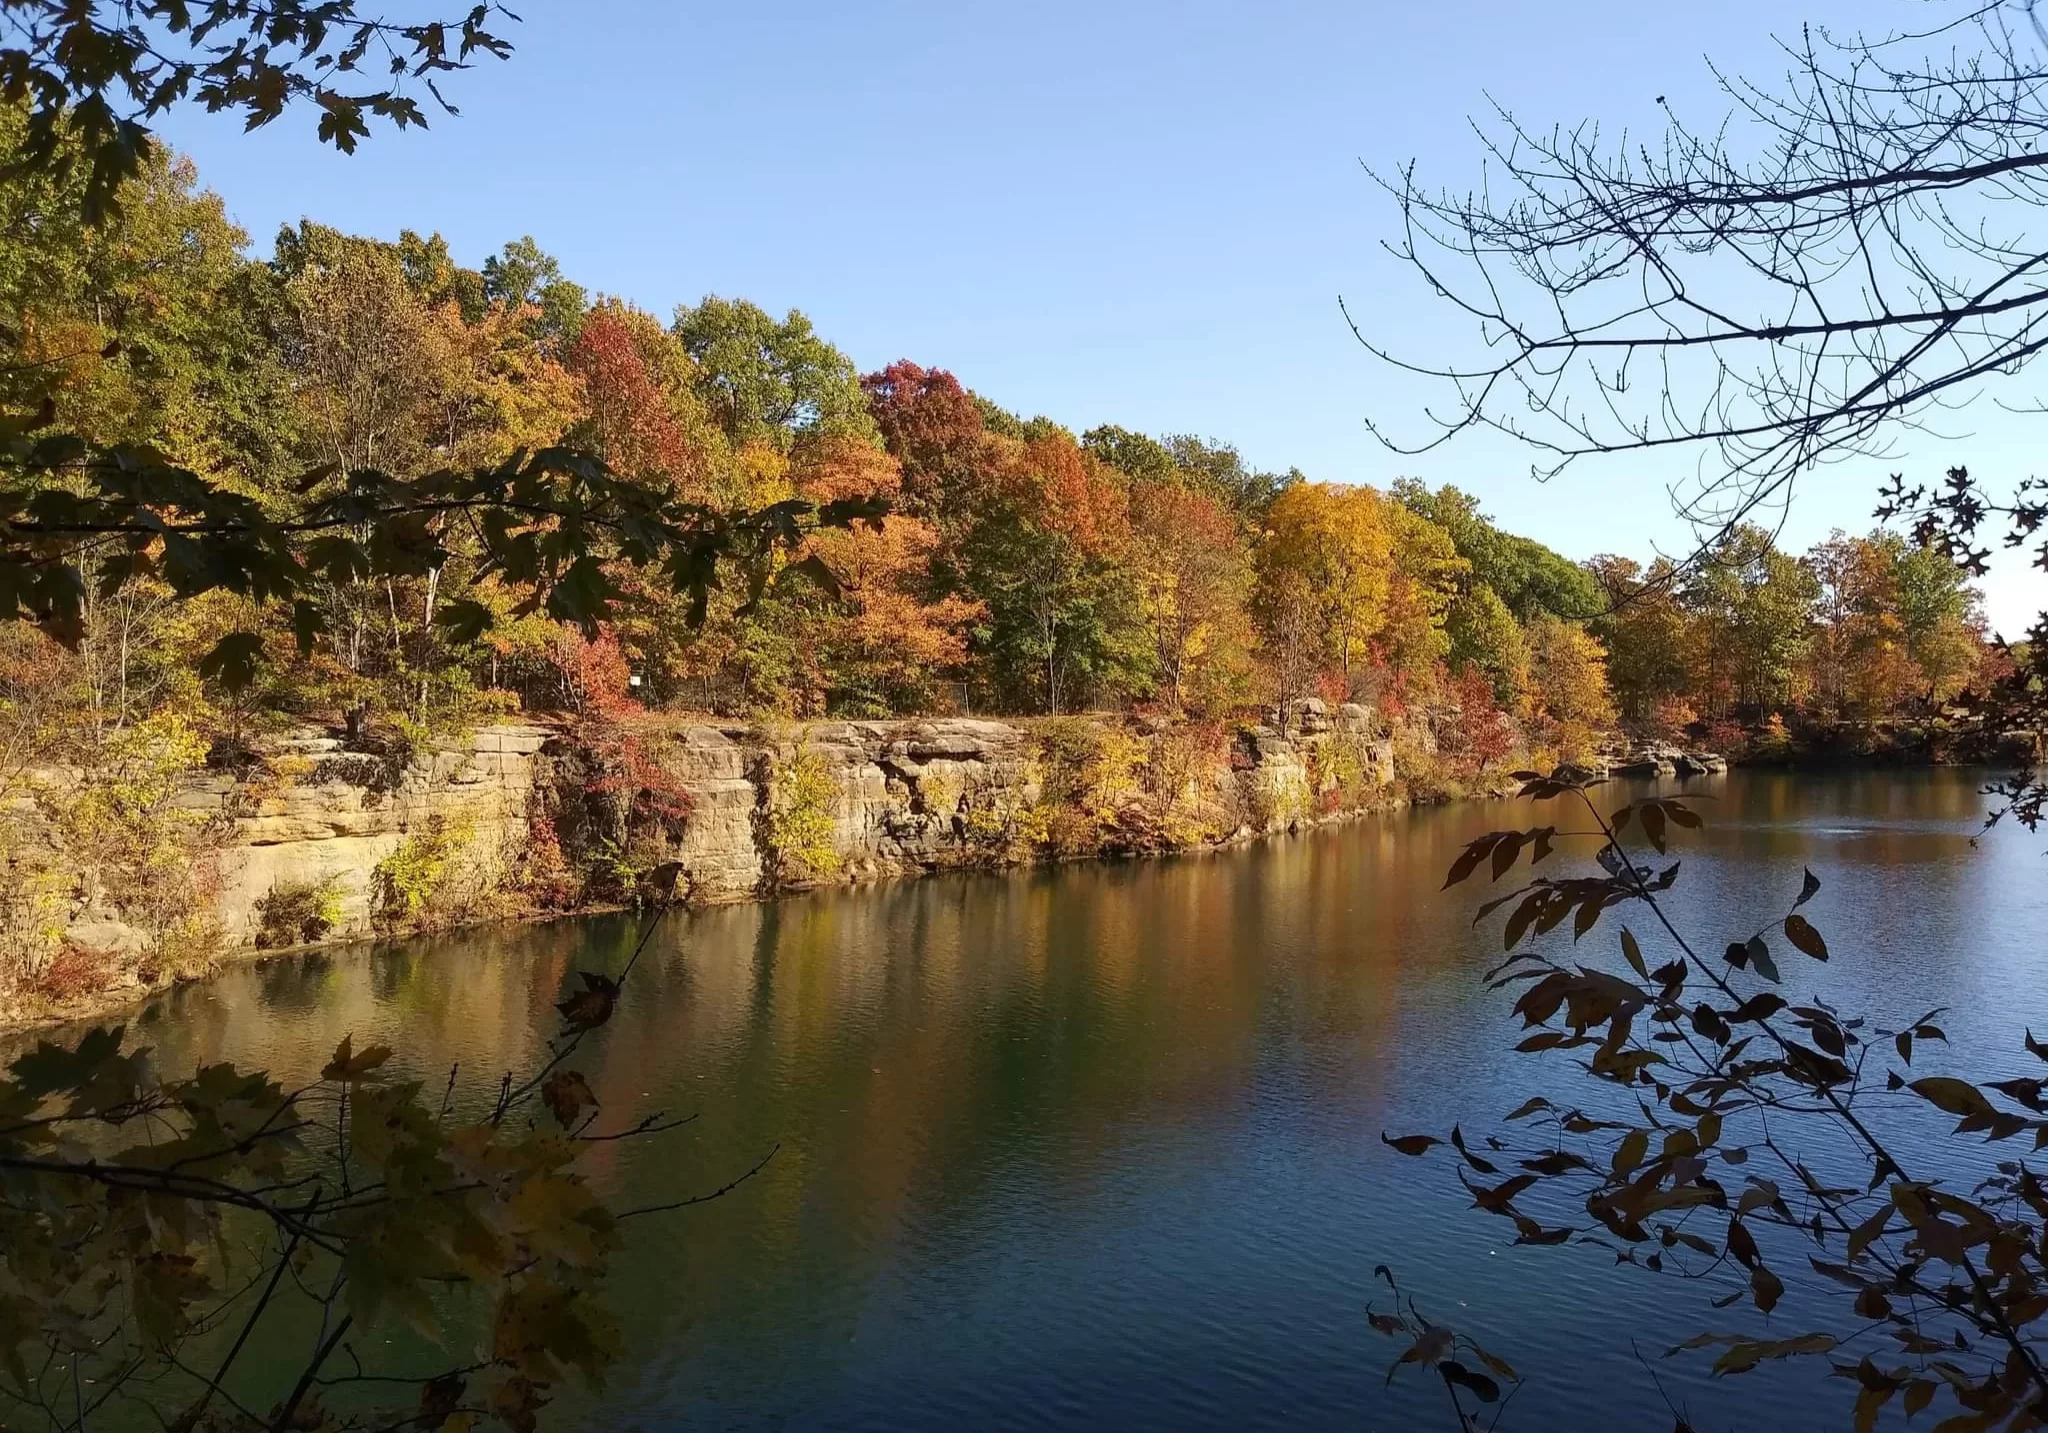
1024	568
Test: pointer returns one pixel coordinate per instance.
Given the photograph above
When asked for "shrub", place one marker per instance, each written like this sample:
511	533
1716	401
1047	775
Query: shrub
800	819
297	913
406	882
1773	742
71	973
134	851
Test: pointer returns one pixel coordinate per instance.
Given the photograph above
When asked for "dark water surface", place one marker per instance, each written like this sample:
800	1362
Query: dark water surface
1099	1146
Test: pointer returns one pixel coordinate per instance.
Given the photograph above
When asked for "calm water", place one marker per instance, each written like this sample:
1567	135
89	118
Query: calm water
1099	1146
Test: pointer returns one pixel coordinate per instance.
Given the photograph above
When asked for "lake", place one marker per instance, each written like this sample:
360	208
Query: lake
1098	1146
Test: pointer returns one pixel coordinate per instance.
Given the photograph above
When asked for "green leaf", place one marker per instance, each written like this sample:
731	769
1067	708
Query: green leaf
1808	889
465	621
234	660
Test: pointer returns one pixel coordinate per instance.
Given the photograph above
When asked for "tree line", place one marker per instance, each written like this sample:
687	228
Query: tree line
1004	564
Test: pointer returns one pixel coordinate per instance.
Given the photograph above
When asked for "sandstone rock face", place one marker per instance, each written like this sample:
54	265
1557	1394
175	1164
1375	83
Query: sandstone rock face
334	824
900	798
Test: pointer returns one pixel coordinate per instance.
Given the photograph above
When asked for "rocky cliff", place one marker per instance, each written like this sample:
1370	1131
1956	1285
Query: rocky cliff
320	843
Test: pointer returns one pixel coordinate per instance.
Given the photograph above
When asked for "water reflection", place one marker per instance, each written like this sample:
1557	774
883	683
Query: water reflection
1098	1146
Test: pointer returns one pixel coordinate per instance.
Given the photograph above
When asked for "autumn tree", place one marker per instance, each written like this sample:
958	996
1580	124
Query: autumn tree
1336	543
1050	558
1568	669
1643	627
631	397
933	428
885	637
1194	580
1752	609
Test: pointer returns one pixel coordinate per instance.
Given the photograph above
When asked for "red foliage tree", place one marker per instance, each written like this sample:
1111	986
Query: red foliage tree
933	428
631	422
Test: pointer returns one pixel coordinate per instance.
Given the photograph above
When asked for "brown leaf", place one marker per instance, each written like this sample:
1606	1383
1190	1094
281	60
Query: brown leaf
1469	860
1505	851
567	1095
1653	826
591	1006
1633	953
1634	1145
348	1066
1802	935
1767	1288
1956	1097
1409	1144
1482	1387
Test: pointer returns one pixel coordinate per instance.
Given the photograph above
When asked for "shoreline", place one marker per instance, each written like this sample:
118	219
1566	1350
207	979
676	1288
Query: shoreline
1383	797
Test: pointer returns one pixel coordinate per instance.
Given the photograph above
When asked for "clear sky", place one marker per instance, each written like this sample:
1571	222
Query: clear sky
1129	211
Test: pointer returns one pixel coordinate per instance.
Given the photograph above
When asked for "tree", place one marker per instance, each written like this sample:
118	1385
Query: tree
1483	634
149	325
1049	558
370	364
1426	577
633	420
933	428
1214	469
1525	574
1568	668
98	72
1645	632
771	382
1753	610
1218	468
1784	286
1336	543
1194	580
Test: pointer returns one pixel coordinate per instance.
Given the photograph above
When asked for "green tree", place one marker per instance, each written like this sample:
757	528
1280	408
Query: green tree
769	381
1526	575
147	326
522	275
1050	561
1644	630
1483	633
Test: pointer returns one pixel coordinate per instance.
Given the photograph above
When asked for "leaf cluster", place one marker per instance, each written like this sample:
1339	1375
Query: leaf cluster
1732	1142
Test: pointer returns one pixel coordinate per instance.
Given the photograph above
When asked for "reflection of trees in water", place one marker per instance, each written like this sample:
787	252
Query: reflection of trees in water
931	1055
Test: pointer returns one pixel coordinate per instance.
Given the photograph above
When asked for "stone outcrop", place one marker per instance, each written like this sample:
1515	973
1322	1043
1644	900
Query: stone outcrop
893	798
1661	759
330	825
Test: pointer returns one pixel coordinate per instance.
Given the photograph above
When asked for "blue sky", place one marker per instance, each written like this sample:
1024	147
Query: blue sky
1131	211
